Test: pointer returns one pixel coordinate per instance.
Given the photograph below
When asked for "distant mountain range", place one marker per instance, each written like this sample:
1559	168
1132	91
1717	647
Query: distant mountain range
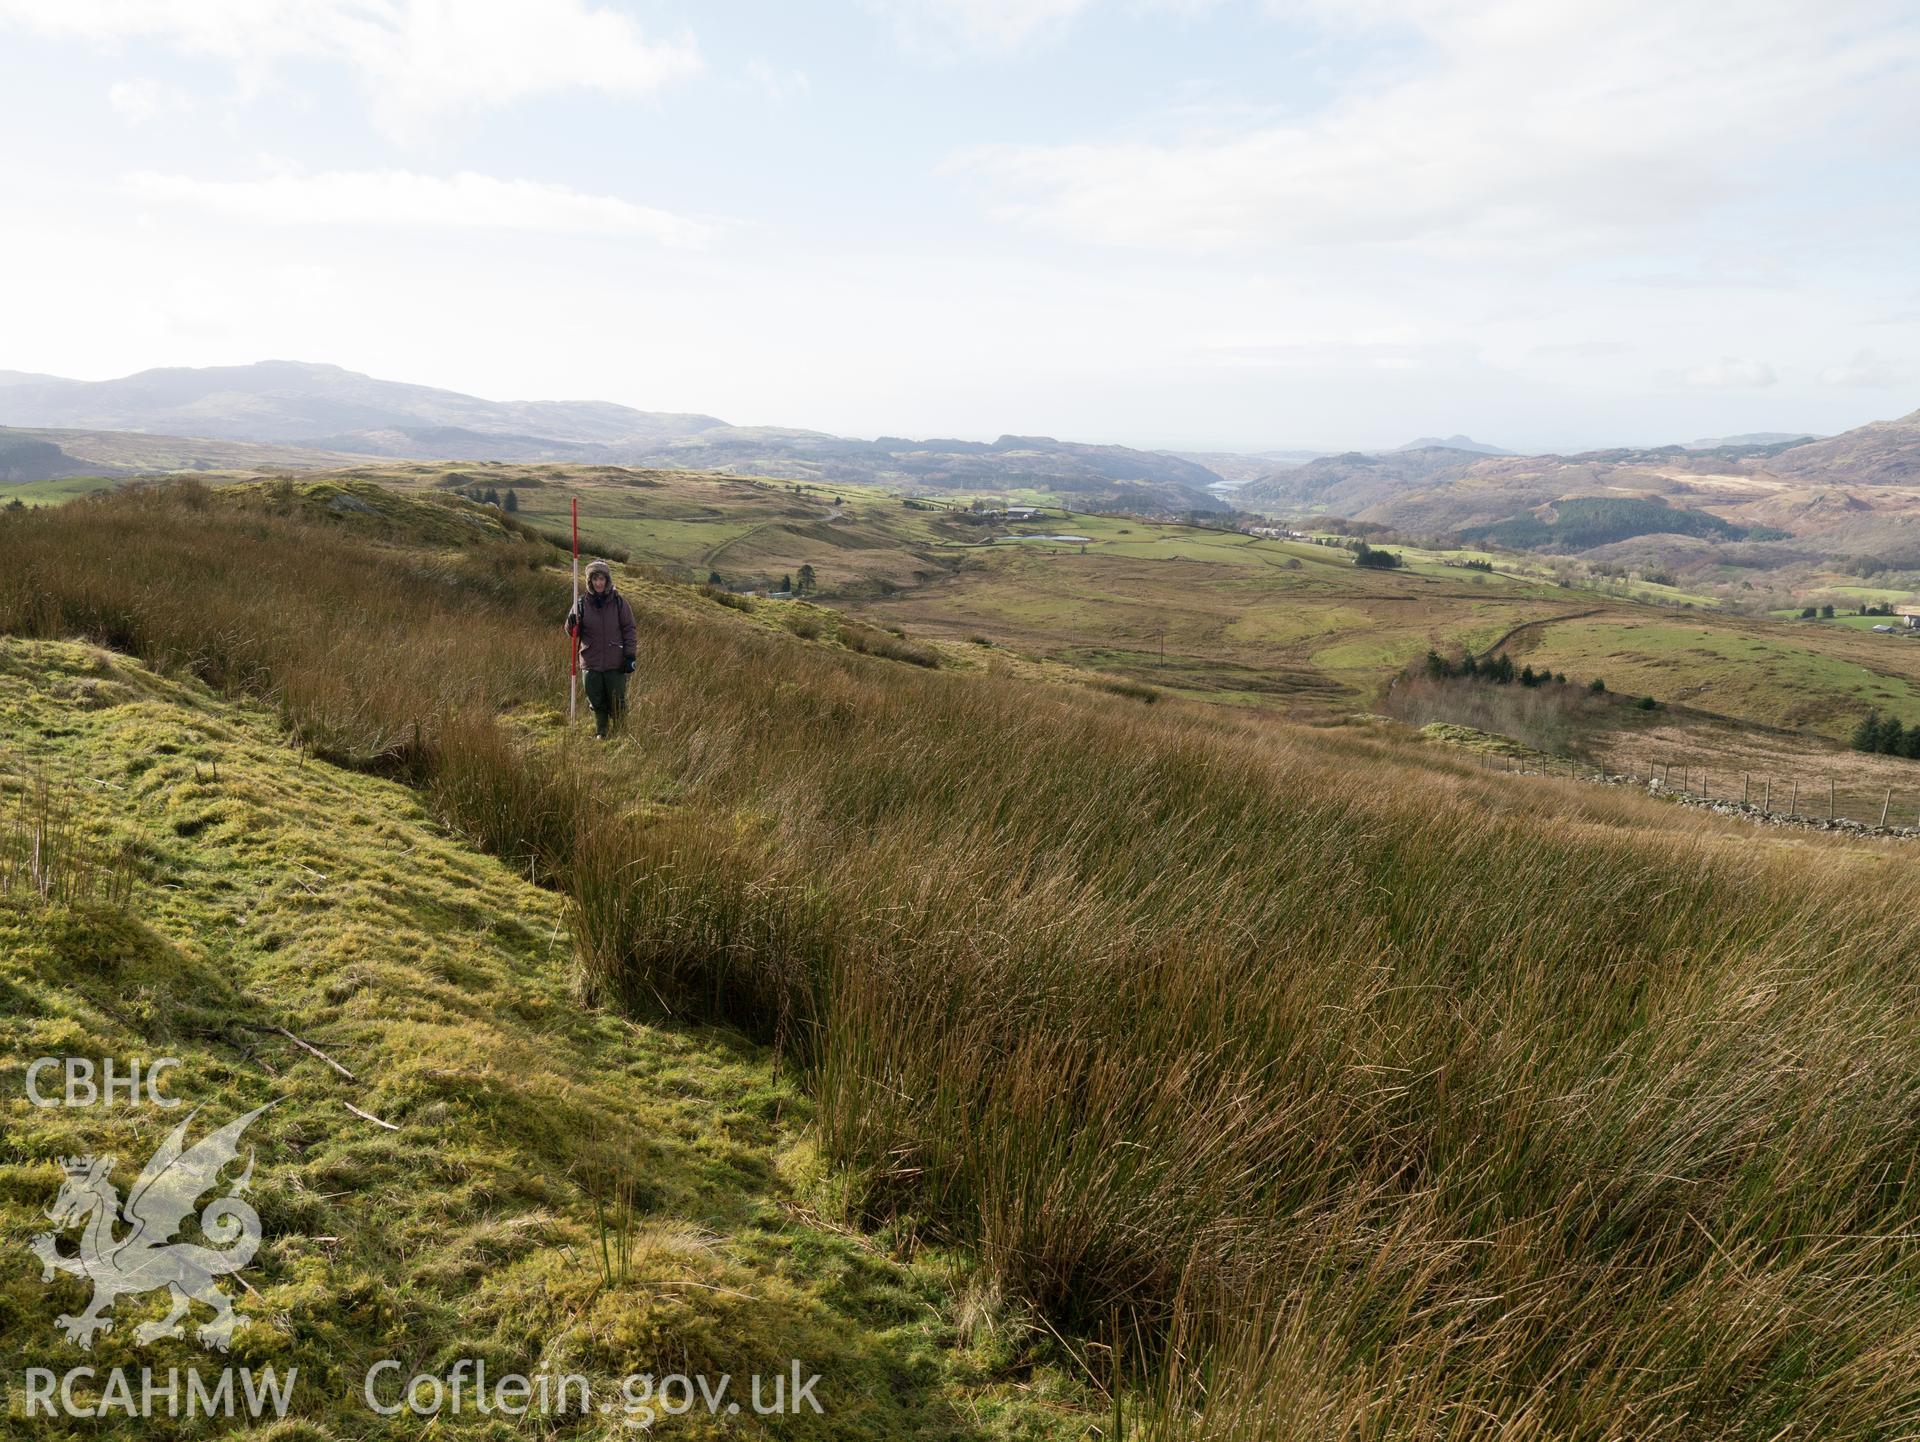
1854	494
326	408
1750	438
293	401
1238	468
1352	483
1454	443
1846	490
42	455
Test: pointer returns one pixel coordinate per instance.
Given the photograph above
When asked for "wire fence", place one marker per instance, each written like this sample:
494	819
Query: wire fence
1792	797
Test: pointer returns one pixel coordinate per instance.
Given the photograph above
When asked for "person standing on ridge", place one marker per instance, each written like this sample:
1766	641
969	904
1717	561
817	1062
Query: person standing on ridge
602	626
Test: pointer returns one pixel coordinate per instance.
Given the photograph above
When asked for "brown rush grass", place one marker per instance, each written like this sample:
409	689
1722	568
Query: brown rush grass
46	857
1321	1086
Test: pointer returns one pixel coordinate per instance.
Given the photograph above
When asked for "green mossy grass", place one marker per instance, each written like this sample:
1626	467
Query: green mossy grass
272	891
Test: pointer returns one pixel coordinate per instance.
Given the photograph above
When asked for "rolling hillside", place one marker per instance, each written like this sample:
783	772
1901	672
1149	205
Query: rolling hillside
1438	489
326	408
1155	1068
1756	523
1585	523
25	457
293	401
1275	626
1886	453
1353	483
129	453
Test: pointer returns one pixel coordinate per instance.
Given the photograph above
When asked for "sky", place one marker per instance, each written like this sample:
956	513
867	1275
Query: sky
1206	224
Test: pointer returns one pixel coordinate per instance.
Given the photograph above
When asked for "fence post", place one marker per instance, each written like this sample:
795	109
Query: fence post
1793	807
1746	787
1766	797
1829	798
1884	805
1703	783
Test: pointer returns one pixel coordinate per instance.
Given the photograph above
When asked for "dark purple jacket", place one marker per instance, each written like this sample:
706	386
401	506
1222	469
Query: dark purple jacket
606	632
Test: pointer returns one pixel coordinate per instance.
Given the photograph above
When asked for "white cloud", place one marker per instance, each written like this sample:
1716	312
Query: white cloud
1581	349
992	25
400	199
417	58
1001	25
776	84
1867	369
1515	125
143	100
1730	373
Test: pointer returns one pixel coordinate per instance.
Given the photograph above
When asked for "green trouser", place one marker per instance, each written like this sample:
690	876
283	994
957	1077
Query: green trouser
607	694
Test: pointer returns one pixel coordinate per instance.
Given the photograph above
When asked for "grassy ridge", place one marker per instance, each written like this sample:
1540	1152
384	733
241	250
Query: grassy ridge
1819	676
1360	1092
270	892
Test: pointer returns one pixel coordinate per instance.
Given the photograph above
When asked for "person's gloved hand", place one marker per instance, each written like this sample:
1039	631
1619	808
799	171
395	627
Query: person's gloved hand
626	663
573	622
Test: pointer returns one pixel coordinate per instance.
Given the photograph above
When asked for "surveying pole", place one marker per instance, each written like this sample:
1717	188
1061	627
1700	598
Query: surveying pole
573	632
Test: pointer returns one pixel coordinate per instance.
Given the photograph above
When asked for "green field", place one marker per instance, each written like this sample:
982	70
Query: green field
1816	676
56	492
1276	624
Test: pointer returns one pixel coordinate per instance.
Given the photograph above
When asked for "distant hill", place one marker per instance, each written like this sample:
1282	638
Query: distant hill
1749	438
1580	523
1883	453
1454	443
1236	468
128	453
26	458
302	402
327	408
453	443
1095	477
1858	492
1349	484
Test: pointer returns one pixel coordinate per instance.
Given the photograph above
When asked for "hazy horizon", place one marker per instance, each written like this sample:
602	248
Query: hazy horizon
1175	224
1276	447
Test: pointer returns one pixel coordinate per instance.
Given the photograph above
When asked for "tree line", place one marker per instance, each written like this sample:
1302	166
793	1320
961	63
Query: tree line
1500	671
1885	735
510	502
1497	668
